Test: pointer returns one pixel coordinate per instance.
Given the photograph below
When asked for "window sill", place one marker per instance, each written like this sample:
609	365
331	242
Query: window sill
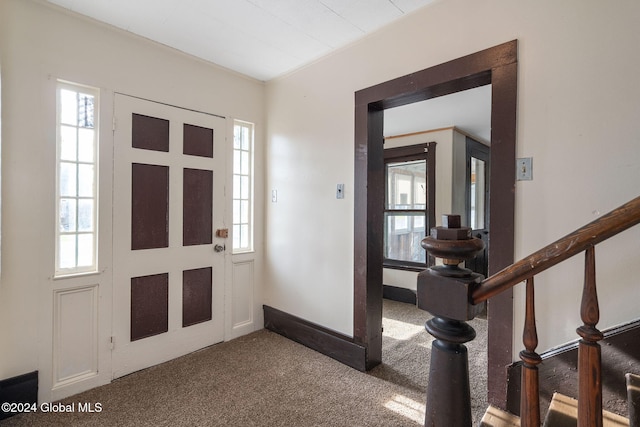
251	251
405	267
63	276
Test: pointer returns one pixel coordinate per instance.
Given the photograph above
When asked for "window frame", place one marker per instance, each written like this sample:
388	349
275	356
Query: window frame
250	199
93	267
427	152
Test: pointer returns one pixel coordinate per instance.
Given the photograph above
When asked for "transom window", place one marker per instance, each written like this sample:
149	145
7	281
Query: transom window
242	186
409	211
76	183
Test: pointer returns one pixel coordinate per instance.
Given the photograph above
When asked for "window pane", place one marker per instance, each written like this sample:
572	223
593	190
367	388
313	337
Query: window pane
406	187
67	215
85	215
85	147
244	236
245	138
85	110
244	211
244	187
420	192
85	180
68	143
236	186
236	236
85	250
244	163
67	179
67	251
403	235
68	107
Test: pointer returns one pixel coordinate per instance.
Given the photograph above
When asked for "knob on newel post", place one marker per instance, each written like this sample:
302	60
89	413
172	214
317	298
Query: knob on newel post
444	291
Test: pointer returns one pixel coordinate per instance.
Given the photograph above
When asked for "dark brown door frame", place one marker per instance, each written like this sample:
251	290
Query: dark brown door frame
496	66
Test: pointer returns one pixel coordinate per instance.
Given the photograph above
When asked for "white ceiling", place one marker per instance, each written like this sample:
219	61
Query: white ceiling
260	38
265	39
469	111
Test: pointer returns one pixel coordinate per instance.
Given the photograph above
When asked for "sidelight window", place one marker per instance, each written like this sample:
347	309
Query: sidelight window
242	187
76	179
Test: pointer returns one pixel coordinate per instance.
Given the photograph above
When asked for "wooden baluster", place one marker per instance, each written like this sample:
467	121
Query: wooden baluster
529	395
589	358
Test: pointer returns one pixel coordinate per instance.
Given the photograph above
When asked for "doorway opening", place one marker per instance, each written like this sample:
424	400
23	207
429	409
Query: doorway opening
496	66
477	183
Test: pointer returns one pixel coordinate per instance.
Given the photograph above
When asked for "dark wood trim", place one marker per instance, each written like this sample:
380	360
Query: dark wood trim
19	389
403	265
496	66
558	370
330	343
407	151
395	293
368	230
399	265
504	81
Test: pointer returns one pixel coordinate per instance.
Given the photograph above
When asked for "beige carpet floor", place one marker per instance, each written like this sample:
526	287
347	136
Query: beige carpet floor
263	379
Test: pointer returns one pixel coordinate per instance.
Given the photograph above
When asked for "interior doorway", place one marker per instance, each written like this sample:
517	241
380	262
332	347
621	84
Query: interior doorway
496	66
477	183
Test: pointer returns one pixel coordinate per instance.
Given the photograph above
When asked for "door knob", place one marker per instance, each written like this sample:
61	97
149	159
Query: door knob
219	248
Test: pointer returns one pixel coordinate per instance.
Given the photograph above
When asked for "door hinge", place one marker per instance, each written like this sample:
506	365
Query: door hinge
112	343
113	124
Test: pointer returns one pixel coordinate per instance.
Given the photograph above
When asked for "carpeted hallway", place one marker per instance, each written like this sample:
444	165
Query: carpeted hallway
263	379
406	349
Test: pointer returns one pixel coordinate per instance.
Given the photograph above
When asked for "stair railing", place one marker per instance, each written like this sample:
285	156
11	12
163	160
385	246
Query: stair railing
437	300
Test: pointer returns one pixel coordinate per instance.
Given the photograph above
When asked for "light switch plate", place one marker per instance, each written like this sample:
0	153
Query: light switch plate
524	169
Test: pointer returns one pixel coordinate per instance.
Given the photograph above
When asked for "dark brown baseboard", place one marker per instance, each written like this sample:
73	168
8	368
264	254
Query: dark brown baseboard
330	343
558	371
20	389
395	293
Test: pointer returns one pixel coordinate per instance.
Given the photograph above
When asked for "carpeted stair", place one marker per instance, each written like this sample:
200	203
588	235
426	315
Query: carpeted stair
563	411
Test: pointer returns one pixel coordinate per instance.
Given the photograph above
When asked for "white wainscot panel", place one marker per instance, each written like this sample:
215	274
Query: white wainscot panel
75	336
242	313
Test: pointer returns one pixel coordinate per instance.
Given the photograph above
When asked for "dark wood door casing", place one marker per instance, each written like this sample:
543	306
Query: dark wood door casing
496	66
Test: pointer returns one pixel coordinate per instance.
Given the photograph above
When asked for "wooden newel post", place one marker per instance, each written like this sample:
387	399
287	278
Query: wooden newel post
444	291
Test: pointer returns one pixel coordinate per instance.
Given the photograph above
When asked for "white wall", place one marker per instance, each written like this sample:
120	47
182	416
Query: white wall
39	44
577	117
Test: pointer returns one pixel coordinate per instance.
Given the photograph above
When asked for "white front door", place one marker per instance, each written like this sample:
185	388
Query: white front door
168	272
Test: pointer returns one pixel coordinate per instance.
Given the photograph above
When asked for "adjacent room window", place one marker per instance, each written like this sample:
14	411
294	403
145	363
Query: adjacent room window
76	183
409	209
242	187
